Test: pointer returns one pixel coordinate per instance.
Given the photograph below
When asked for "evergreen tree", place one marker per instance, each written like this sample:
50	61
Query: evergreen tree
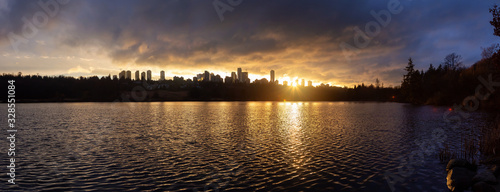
406	85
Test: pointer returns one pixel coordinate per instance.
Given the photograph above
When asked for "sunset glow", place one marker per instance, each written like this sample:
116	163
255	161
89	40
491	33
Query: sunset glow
186	38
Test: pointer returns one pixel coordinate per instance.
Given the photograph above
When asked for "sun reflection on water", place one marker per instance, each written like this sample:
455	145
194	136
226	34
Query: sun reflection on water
293	134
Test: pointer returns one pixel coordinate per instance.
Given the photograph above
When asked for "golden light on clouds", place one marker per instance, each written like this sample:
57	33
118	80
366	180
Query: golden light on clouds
184	38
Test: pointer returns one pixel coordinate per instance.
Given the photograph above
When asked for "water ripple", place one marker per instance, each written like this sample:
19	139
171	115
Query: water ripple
226	146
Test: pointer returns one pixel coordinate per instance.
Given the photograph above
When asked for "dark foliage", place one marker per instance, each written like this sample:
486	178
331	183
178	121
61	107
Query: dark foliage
61	89
447	84
495	11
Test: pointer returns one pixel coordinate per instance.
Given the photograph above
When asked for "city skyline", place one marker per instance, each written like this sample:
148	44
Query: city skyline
87	38
232	78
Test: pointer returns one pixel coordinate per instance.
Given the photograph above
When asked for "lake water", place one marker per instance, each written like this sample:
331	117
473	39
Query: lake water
224	146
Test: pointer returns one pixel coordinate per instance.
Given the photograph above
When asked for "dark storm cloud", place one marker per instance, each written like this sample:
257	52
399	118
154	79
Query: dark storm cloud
263	34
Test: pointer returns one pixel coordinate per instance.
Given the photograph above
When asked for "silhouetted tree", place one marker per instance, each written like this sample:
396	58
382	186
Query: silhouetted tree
407	84
495	11
439	69
452	62
450	82
431	68
488	52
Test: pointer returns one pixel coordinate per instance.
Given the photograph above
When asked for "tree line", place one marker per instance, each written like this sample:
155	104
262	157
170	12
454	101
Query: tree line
451	82
35	88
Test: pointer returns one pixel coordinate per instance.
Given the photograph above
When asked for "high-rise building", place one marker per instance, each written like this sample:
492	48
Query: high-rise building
149	75
244	77
240	78
285	83
296	82
206	76
272	76
162	75
217	79
309	83
143	76
121	75
137	75
128	75
303	83
233	77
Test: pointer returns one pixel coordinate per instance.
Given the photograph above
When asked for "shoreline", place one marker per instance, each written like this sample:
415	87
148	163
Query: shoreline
488	108
153	101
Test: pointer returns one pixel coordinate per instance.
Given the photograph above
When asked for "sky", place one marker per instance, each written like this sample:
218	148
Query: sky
342	43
